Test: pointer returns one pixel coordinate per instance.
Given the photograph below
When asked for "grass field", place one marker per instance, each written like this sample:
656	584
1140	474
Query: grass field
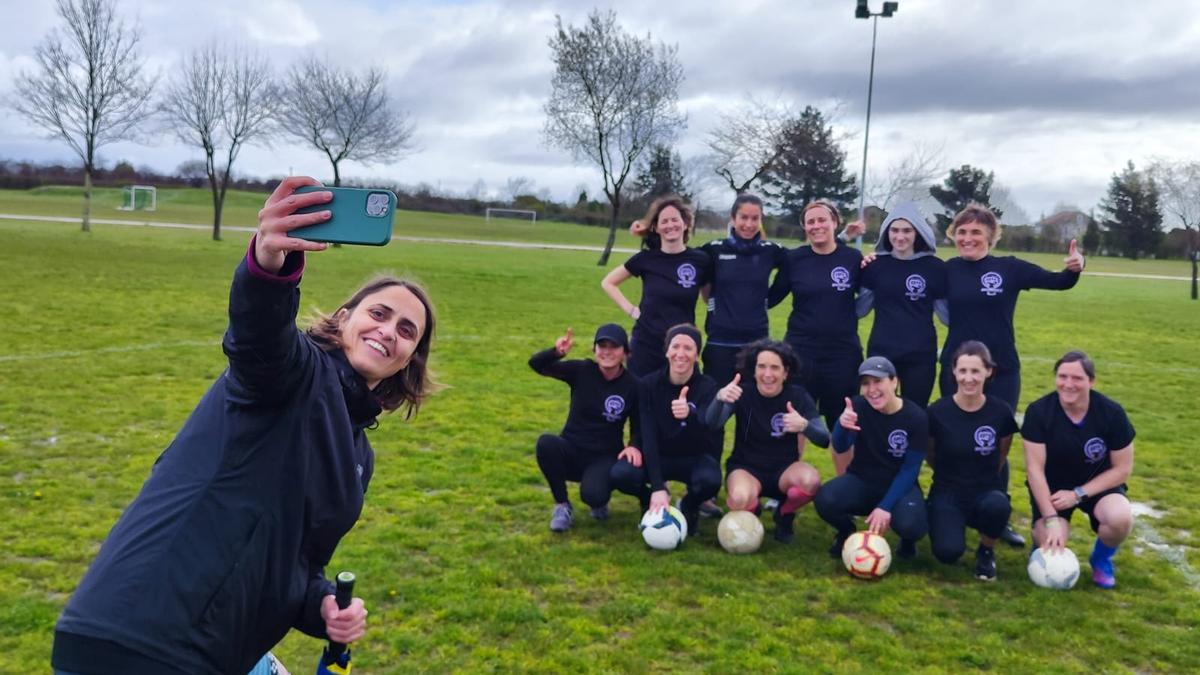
112	337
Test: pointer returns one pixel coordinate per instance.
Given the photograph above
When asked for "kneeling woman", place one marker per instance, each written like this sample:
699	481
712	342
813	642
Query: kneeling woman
676	444
969	435
773	418
1078	455
603	396
889	436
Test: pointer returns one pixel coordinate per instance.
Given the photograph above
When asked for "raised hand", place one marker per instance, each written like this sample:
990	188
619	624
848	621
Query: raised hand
854	230
564	343
679	407
794	422
849	418
278	217
637	228
1074	259
731	392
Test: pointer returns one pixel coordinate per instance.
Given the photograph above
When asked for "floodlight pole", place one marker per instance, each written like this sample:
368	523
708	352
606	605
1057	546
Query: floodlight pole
862	11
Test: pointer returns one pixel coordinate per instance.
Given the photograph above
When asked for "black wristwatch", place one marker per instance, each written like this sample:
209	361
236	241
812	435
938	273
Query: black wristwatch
1080	493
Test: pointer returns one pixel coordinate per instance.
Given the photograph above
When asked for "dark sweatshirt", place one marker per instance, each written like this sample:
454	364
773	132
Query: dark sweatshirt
661	433
599	407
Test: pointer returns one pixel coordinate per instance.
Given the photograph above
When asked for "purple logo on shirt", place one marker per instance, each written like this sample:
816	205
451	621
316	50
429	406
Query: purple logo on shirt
686	274
613	407
777	429
1095	449
898	443
985	440
915	285
992	284
841	278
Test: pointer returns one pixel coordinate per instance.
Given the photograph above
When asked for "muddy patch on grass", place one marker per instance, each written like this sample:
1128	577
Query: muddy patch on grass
1147	537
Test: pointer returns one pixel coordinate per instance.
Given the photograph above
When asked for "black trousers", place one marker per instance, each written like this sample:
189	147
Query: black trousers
848	495
916	374
701	473
829	379
720	362
647	353
561	462
951	512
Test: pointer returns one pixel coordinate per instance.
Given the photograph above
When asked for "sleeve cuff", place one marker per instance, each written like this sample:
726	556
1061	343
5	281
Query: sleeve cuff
290	273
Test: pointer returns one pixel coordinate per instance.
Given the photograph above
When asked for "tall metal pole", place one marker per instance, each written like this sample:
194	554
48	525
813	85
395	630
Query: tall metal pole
862	193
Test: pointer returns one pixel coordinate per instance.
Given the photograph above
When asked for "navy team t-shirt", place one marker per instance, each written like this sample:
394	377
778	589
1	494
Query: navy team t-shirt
966	445
1076	453
670	285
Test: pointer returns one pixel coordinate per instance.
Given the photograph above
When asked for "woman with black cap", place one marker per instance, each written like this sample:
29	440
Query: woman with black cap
676	443
889	436
603	396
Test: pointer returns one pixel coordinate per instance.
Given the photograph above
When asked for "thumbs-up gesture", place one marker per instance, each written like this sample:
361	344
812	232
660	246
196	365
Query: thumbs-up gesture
849	418
731	392
794	422
679	407
1074	259
564	343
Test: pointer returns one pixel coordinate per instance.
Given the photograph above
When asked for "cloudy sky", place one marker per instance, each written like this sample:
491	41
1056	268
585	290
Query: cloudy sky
1054	97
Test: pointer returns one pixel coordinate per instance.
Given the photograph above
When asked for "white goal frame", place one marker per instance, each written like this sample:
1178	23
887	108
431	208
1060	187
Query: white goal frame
487	214
131	198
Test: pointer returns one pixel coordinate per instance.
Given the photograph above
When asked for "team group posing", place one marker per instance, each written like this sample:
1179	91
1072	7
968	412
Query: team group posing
815	386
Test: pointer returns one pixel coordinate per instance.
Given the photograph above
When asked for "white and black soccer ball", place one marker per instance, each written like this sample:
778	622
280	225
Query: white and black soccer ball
664	530
1059	570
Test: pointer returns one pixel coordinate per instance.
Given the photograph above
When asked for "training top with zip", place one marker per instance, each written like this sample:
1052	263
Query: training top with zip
223	550
741	277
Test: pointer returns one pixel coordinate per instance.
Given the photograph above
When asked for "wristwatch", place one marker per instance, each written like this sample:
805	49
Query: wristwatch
1080	494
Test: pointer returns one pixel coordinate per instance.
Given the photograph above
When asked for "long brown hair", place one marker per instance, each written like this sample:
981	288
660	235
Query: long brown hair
652	240
409	387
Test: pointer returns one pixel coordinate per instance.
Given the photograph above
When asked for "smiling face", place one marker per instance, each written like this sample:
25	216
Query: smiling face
747	221
769	373
819	226
381	333
880	392
608	354
1073	385
901	234
682	354
671	225
971	374
973	240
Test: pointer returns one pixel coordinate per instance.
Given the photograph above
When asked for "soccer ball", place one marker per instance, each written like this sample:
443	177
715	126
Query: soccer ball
1053	570
665	529
740	532
866	555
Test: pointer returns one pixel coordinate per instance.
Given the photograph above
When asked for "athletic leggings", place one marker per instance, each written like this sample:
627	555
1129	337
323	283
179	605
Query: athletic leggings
720	363
701	473
916	374
951	512
647	353
561	462
848	495
829	378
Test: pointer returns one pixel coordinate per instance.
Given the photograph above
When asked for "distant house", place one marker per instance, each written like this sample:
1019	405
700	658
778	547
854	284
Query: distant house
1063	226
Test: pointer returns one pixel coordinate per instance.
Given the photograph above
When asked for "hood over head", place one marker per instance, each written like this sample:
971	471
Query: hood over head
925	243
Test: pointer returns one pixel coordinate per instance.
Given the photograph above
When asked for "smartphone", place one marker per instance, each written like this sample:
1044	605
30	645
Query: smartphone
360	216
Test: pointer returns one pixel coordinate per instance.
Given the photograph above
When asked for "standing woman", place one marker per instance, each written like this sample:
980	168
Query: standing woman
888	436
905	283
676	443
223	550
823	326
672	275
773	419
1078	455
603	396
969	437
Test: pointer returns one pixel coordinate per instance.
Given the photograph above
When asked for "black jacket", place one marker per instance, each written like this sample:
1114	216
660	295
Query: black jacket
223	550
662	434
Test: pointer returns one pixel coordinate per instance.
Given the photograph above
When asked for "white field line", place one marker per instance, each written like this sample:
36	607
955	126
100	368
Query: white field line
1147	536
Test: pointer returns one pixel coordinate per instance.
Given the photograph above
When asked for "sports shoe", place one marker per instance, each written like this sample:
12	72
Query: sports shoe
785	527
908	549
709	509
600	512
1012	537
985	564
839	542
561	520
1103	574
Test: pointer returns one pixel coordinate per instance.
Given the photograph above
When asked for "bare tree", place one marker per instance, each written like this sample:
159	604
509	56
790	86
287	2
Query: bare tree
748	141
345	115
222	100
1179	197
909	178
516	186
88	88
612	96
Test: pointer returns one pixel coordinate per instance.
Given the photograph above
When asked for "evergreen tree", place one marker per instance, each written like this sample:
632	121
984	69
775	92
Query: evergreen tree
964	185
1091	237
811	166
661	174
1134	223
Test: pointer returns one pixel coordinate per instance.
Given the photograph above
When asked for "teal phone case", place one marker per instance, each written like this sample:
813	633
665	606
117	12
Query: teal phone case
360	216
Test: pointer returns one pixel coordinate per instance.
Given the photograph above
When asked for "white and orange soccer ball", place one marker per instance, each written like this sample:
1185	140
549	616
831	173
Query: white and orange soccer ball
866	555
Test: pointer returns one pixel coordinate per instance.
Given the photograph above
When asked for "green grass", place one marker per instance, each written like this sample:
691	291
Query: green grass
111	337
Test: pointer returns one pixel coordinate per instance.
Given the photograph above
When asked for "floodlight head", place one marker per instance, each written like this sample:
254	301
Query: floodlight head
889	8
862	11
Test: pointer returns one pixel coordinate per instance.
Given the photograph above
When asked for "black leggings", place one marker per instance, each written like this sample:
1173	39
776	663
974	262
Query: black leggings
561	462
829	378
720	362
916	374
848	495
701	473
647	353
952	512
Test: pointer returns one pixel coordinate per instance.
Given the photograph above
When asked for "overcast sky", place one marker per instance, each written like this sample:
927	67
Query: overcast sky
1054	97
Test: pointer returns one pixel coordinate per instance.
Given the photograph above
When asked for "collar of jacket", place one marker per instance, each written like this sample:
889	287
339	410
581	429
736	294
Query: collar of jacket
360	401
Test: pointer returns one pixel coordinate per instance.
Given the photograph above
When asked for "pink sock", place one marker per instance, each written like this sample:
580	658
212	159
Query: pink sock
796	497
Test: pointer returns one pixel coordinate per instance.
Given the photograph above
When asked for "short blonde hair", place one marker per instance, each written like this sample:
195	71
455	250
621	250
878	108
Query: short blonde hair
976	213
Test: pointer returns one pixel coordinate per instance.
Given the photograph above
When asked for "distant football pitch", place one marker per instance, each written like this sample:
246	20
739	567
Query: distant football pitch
111	337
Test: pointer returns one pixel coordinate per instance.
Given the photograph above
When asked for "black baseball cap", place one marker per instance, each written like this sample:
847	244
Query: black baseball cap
877	366
614	333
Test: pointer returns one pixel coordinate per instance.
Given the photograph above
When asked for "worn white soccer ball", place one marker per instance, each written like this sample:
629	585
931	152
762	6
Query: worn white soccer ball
1058	570
664	530
740	532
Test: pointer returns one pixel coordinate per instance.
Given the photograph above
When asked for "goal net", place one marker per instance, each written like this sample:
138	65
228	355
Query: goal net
139	198
521	214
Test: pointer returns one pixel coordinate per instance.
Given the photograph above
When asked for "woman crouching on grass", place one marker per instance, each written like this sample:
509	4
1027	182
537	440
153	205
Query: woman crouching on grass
1078	455
223	550
969	436
773	419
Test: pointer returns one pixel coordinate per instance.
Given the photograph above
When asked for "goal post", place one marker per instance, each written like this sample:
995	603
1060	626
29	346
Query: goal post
489	213
139	198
